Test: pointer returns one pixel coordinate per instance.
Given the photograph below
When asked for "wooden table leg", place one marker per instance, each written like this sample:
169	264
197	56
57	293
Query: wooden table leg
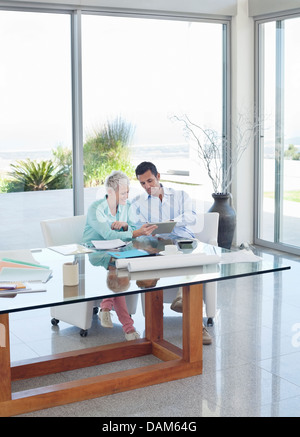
5	374
154	315
192	323
174	363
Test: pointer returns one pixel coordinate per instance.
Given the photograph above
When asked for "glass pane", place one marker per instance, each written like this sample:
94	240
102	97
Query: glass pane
291	177
280	142
268	134
138	73
35	124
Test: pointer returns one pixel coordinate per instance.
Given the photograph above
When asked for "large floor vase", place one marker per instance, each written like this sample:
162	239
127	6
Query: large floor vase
227	219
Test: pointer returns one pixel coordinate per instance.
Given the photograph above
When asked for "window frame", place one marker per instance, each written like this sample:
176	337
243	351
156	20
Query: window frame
279	20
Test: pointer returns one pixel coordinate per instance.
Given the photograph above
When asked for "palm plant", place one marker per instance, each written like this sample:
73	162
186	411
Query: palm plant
37	176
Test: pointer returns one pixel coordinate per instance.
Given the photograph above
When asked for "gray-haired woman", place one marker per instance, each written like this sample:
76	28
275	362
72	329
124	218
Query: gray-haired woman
110	217
107	219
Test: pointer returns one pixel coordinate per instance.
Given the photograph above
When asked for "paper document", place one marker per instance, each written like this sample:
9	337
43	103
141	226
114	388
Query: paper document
12	274
210	271
108	244
71	249
23	255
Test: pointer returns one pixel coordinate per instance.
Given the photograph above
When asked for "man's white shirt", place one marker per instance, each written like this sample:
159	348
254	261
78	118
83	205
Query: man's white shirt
176	205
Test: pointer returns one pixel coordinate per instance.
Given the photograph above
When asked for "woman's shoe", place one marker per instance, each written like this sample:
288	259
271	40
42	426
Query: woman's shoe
177	305
206	338
132	336
105	319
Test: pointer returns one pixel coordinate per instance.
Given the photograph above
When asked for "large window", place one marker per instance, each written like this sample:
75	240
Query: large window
83	94
35	121
279	147
138	73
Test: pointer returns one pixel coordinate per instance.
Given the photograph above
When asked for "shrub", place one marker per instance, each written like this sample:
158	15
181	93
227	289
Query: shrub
107	150
36	176
62	157
104	151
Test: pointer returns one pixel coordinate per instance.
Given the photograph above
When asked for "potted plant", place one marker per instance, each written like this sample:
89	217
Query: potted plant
220	157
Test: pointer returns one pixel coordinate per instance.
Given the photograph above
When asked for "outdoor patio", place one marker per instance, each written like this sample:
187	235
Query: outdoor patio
21	213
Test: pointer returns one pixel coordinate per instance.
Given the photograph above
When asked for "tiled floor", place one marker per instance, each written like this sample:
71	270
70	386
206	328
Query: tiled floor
251	369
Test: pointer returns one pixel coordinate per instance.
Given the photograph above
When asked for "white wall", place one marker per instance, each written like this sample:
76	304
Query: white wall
218	7
243	102
259	7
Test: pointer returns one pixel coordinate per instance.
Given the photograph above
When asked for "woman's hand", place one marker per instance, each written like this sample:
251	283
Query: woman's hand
146	229
119	225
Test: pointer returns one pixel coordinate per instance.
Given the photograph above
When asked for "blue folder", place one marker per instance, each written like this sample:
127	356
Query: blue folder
133	253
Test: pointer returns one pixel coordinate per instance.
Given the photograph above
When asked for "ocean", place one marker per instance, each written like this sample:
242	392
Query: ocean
169	156
10	157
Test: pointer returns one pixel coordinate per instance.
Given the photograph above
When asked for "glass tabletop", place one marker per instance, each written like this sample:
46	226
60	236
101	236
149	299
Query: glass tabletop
99	277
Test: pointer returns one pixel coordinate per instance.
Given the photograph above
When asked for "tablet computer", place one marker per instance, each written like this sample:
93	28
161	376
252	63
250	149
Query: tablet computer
163	227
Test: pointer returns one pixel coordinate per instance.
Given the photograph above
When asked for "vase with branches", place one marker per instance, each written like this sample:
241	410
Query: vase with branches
220	157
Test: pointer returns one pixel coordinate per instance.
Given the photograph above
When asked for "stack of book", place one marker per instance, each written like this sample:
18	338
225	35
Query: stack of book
22	277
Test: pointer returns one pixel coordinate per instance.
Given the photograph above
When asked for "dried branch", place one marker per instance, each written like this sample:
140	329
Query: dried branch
213	150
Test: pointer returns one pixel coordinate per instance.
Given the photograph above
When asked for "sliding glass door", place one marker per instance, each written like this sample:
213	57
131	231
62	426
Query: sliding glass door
278	157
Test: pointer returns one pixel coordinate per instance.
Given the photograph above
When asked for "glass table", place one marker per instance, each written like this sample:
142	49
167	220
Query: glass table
94	268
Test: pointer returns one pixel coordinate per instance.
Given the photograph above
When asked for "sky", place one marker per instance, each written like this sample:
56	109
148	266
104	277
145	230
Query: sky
143	70
145	80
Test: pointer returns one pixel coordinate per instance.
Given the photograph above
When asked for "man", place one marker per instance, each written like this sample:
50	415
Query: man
160	203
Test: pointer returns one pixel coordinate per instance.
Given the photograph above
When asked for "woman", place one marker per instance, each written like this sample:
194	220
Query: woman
111	217
107	219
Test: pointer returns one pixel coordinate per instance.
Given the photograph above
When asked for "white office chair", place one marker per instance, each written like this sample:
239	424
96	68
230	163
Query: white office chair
206	231
69	230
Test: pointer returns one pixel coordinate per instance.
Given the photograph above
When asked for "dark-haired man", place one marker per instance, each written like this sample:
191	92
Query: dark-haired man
159	204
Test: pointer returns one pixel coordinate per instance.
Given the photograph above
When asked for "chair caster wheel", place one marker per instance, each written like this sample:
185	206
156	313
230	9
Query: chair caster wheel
210	321
84	332
54	322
